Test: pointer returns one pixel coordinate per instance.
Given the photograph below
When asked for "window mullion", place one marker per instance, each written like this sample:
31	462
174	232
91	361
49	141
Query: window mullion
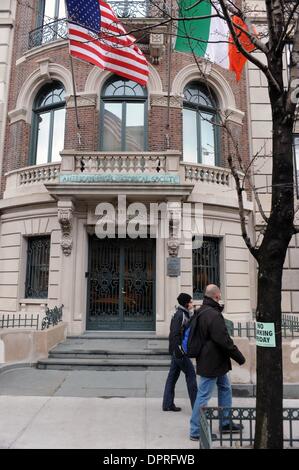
198	125
51	131
123	126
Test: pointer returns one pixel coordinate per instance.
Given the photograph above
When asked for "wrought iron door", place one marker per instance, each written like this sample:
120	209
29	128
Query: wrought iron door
121	284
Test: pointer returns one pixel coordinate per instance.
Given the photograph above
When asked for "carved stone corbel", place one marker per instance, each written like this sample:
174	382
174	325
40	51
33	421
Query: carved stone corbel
65	219
173	244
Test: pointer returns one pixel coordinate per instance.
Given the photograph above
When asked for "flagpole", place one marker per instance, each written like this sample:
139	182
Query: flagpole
169	79
74	91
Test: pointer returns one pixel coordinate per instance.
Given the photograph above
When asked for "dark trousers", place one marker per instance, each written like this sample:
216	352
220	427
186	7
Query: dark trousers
177	365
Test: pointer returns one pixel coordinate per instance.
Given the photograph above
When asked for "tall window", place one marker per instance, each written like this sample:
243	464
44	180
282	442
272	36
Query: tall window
200	134
37	272
48	121
51	10
50	25
206	268
296	156
123	116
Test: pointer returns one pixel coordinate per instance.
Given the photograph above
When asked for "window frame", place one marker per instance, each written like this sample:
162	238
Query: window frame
36	112
198	109
296	164
28	271
123	99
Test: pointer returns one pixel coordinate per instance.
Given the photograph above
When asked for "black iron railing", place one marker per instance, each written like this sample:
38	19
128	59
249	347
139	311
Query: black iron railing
53	317
139	8
47	33
125	9
19	321
210	418
289	329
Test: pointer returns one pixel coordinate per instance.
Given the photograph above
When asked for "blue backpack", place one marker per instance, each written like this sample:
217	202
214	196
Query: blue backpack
191	339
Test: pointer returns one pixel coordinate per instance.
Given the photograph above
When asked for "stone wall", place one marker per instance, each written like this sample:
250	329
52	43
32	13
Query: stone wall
22	345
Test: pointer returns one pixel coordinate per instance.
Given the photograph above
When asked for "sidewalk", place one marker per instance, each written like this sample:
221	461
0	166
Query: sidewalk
61	409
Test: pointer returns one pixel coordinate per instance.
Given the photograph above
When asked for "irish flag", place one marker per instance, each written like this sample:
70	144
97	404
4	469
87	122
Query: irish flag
208	36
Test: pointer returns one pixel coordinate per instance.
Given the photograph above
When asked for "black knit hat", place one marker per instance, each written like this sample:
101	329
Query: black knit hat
183	299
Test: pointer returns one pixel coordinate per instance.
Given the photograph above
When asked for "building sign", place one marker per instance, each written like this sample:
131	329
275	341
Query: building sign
265	335
173	266
143	178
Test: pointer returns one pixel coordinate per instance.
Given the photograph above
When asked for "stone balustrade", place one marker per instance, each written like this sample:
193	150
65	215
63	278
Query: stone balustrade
208	174
121	162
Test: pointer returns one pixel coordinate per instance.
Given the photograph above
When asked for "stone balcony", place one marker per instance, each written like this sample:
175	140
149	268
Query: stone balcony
83	175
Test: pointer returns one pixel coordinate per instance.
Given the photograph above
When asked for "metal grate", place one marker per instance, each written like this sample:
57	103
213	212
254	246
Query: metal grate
245	418
19	321
37	274
205	266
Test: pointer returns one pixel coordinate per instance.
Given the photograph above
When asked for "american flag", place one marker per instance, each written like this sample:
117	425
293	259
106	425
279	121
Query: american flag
97	36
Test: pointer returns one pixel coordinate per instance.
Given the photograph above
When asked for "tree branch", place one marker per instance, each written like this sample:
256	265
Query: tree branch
253	250
241	49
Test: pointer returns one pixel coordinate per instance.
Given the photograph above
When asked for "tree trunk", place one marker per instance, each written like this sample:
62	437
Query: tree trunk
279	231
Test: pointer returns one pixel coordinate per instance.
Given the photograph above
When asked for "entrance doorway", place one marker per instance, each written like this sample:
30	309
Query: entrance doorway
121	284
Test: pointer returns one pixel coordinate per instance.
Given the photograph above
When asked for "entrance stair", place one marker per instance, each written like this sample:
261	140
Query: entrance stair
109	351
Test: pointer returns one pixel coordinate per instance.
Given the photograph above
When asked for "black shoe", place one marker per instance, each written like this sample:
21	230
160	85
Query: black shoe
172	408
231	428
196	438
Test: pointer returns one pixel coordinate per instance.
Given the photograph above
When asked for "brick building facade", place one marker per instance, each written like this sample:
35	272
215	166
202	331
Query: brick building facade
49	252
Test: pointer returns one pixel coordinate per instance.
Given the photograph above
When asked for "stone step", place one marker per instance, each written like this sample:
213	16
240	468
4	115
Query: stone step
103	364
115	354
119	335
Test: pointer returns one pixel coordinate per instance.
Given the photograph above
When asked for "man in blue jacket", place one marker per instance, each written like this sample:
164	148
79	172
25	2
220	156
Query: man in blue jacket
179	361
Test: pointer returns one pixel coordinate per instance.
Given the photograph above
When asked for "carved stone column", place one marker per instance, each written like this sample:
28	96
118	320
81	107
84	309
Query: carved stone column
65	219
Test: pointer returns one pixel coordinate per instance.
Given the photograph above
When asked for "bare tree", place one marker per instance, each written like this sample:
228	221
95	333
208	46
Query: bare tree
281	28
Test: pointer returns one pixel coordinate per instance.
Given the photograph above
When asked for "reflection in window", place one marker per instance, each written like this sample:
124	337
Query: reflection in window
123	116
48	122
200	132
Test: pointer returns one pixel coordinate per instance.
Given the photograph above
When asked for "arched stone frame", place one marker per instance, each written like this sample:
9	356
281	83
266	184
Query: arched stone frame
46	73
98	77
220	86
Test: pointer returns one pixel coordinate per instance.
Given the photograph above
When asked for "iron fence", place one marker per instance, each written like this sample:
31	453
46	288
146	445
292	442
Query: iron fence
125	9
49	32
52	317
289	329
245	418
19	321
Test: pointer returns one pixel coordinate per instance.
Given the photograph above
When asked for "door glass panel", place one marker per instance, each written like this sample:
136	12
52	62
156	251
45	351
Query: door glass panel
135	127
138	281
112	127
207	139
189	136
43	122
103	282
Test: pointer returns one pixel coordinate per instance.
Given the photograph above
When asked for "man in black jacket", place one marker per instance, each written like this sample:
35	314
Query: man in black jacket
214	362
179	361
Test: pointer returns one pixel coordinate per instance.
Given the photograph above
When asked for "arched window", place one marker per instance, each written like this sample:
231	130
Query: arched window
48	121
200	134
123	116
